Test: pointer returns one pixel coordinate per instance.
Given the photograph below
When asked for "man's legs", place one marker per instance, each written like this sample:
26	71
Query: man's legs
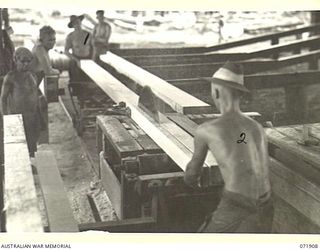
32	130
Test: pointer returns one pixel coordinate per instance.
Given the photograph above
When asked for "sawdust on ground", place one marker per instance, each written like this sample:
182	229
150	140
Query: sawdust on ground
76	172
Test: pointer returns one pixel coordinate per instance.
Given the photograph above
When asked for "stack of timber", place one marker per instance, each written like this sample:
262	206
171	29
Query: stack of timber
295	176
22	212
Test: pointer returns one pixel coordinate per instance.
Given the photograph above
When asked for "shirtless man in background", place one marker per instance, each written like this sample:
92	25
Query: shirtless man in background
78	46
19	95
239	145
41	64
100	36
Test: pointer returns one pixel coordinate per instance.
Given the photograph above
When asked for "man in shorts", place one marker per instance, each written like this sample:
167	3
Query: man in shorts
239	145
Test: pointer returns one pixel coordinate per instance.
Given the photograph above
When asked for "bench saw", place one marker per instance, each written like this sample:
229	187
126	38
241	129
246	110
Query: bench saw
144	185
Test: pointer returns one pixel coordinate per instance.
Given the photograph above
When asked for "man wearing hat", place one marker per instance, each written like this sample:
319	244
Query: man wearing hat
239	145
100	36
79	43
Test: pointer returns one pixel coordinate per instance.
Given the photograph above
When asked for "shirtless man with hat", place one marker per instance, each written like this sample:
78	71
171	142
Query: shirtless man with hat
79	43
239	145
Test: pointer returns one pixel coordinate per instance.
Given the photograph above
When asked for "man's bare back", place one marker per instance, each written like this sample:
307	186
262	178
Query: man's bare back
243	163
240	147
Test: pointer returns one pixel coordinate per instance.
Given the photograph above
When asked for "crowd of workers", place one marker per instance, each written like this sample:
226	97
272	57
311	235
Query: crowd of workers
20	93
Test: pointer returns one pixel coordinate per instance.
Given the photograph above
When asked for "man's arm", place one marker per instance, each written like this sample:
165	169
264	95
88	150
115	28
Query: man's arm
194	167
108	33
4	95
44	60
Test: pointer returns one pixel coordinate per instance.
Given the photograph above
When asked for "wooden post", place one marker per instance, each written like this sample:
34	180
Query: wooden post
129	198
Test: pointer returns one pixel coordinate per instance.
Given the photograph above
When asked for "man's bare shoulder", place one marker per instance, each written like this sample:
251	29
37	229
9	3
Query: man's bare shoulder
212	126
70	35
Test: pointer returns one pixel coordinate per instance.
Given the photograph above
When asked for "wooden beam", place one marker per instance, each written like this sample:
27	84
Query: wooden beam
58	209
262	38
250	67
286	137
22	209
138	225
228	45
290	46
149	60
177	99
261	81
181	71
299	192
117	91
211	57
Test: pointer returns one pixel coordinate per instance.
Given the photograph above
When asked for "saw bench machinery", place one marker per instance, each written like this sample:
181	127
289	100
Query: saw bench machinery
142	181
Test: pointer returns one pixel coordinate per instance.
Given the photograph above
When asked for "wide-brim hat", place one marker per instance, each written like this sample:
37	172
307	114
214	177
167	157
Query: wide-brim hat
73	18
229	75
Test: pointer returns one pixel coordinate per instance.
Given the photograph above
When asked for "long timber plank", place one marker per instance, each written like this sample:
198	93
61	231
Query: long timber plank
217	47
183	71
179	100
117	91
210	57
22	209
261	81
60	215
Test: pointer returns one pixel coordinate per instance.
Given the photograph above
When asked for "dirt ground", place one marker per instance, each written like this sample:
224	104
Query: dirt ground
75	169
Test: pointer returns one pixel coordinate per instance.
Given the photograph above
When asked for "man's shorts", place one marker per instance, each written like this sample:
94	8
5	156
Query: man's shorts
239	214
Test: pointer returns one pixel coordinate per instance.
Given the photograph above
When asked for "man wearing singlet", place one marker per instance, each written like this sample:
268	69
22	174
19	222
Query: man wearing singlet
239	145
77	47
100	36
19	95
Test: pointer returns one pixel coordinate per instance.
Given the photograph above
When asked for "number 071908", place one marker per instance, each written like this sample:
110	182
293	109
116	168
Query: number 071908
312	246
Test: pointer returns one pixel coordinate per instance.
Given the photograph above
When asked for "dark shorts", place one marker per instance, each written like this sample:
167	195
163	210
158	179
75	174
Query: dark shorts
239	214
